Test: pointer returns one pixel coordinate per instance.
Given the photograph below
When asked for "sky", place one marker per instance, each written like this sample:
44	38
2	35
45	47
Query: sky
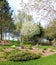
15	4
41	14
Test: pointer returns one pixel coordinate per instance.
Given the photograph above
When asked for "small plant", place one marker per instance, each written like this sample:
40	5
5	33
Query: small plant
39	54
13	46
51	50
30	47
3	55
45	49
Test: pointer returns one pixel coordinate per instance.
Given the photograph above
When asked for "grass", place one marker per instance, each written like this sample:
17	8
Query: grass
16	43
49	60
43	47
1	48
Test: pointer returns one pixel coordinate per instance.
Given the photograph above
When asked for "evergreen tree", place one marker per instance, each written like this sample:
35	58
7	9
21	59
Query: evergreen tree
5	16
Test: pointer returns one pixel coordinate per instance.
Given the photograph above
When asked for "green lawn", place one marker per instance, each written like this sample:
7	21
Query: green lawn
43	47
50	60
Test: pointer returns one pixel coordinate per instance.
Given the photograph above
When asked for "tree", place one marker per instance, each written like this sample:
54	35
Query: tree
51	31
38	37
29	29
5	16
53	27
43	9
22	18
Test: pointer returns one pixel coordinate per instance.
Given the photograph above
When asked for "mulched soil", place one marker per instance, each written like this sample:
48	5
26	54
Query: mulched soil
8	49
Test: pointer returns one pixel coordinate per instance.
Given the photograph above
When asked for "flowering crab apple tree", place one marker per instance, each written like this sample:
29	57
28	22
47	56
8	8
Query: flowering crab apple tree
29	29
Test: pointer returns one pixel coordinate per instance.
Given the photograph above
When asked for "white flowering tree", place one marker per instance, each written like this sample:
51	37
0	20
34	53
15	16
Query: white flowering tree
29	29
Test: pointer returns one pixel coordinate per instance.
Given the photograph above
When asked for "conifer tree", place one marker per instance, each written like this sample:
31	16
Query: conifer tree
5	16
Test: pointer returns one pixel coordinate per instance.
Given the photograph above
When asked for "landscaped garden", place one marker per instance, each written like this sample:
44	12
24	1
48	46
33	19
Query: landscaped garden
27	32
50	60
29	55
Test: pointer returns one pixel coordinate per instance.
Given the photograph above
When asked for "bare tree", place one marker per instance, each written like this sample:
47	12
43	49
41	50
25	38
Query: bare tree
44	10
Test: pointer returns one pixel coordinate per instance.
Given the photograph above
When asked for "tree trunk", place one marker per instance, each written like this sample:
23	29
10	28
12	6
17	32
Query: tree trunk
9	36
1	28
21	42
1	33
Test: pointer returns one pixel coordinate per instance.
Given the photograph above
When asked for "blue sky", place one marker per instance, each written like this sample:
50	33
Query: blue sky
14	4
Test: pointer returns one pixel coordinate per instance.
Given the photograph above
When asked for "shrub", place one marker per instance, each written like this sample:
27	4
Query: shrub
3	55
45	49
30	47
39	54
13	46
51	50
16	43
22	56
